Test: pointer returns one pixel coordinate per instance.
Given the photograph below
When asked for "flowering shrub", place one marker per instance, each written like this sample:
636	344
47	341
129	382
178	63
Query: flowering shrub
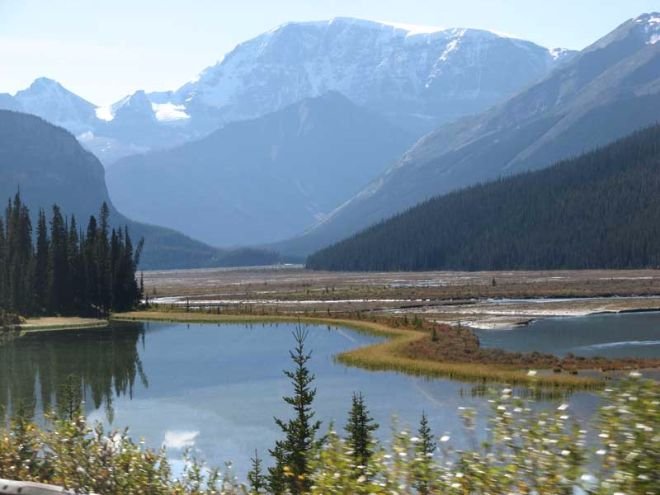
526	452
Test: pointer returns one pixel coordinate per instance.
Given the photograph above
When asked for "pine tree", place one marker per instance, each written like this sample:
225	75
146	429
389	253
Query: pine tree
293	454
19	257
360	428
255	476
41	264
58	263
103	267
277	475
423	465
76	271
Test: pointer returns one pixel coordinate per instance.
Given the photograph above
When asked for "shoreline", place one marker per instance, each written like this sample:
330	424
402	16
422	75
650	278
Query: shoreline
387	356
527	322
491	313
59	324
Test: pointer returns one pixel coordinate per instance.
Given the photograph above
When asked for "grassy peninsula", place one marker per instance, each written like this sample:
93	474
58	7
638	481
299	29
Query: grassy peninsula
417	346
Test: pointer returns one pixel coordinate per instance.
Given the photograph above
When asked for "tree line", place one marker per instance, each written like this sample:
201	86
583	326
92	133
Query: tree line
63	270
599	210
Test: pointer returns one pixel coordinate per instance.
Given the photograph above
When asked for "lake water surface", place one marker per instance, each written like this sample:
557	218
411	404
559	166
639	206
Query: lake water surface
216	388
609	335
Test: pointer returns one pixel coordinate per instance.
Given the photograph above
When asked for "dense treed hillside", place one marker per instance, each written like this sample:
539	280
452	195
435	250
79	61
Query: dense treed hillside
599	210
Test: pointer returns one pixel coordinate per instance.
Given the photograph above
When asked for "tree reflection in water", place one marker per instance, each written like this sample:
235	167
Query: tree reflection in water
38	372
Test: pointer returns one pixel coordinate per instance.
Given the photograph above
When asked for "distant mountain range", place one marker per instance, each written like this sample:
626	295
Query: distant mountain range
260	180
606	91
416	80
47	165
601	210
301	136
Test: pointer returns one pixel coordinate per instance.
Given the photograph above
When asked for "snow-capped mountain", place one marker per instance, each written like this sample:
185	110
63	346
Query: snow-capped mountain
608	90
416	78
51	101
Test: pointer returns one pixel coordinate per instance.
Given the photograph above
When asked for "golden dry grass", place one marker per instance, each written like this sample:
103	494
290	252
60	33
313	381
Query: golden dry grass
52	323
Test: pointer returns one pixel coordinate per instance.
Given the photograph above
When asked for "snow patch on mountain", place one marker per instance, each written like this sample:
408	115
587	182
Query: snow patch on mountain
104	113
169	112
650	24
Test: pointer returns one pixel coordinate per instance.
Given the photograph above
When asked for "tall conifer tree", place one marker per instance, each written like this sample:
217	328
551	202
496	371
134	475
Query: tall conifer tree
293	454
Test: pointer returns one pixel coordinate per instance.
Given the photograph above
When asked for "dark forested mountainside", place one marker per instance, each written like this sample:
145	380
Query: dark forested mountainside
599	210
65	269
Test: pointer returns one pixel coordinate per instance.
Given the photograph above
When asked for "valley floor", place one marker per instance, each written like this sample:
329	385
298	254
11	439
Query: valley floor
477	299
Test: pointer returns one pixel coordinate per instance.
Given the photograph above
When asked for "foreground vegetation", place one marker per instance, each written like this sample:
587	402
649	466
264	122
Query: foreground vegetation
65	271
419	347
526	451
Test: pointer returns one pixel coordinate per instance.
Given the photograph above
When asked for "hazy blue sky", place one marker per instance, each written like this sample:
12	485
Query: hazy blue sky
105	49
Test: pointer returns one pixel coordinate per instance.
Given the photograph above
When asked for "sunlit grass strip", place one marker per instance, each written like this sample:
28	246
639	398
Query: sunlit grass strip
386	356
62	327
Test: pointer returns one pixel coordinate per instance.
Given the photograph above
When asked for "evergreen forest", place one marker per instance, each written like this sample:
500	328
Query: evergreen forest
598	210
62	269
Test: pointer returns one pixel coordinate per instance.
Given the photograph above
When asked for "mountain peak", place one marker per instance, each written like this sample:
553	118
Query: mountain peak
45	85
419	76
135	107
639	31
650	18
51	101
401	28
45	82
650	24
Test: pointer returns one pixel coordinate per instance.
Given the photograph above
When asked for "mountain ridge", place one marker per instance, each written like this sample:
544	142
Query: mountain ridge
416	80
254	180
606	91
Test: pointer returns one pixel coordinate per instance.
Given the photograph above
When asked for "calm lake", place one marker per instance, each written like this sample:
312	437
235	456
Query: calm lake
216	388
609	335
